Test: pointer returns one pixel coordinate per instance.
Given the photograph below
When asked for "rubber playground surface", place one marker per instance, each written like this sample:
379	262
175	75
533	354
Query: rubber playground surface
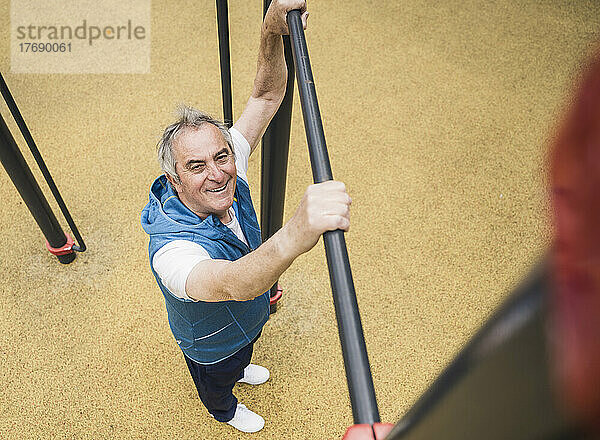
437	118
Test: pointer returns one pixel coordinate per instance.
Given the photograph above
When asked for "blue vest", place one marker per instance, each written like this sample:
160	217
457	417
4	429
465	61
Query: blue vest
207	332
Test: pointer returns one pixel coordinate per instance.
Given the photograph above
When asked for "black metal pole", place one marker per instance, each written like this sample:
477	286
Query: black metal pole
224	57
14	110
274	157
21	176
500	385
354	350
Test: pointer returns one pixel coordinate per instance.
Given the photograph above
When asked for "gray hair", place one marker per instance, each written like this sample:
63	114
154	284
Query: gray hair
189	117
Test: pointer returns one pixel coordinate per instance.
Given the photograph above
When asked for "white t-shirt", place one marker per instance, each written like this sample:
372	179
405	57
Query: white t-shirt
174	261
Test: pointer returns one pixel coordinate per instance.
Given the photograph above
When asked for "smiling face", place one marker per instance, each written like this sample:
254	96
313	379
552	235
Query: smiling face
206	168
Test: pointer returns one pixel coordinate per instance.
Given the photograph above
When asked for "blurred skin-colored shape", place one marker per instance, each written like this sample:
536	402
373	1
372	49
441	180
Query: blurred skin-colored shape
575	174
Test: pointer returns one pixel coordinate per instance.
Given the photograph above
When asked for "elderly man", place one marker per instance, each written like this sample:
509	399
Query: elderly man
205	243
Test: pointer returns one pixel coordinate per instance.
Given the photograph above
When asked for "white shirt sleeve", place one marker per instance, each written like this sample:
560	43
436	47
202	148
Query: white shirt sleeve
173	263
242	150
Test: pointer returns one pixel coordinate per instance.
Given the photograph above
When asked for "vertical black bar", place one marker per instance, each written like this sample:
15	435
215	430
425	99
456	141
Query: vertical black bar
21	176
274	156
354	350
224	57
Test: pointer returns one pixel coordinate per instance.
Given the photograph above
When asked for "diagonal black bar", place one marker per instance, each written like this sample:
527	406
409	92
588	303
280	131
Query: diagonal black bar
500	384
21	176
14	110
224	57
354	350
274	157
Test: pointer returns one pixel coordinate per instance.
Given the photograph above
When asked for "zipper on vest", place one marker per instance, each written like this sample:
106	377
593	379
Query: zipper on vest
228	235
242	224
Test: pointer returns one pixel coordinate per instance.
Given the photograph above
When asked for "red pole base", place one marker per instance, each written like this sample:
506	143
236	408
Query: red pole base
276	297
365	432
65	254
66	249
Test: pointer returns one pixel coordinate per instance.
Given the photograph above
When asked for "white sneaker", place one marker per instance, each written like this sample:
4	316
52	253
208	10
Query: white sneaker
255	375
246	420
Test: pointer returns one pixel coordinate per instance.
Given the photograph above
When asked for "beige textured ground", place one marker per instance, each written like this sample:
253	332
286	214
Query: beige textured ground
436	118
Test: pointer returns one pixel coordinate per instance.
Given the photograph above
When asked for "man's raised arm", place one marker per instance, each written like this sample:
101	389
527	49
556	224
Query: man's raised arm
271	73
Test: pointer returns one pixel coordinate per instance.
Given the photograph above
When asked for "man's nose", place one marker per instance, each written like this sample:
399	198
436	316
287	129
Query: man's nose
214	172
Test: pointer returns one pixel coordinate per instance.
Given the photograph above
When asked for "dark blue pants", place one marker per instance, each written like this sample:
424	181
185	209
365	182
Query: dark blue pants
215	382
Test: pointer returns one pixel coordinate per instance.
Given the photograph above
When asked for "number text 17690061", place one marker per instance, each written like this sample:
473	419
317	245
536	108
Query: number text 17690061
45	47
